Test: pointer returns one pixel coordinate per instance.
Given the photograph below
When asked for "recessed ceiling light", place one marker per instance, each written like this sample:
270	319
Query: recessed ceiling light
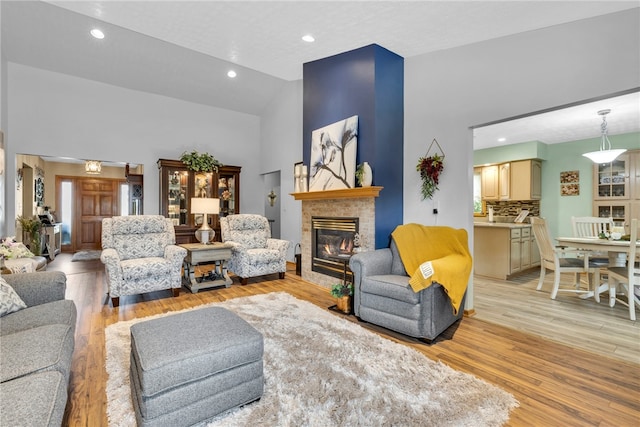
231	74
308	38
97	33
502	139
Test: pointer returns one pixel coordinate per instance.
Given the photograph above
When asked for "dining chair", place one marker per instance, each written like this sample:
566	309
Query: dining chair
594	226
557	259
590	226
626	280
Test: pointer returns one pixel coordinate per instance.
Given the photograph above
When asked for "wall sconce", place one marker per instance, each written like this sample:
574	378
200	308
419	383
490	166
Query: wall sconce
272	198
93	167
19	178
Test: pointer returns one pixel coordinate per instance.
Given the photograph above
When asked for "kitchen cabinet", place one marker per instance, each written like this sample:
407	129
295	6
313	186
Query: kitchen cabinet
616	188
612	179
517	180
535	252
178	185
504	181
503	250
521	250
618	210
490	182
526	180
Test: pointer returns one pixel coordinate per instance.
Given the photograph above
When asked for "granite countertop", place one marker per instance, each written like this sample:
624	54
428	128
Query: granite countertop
500	224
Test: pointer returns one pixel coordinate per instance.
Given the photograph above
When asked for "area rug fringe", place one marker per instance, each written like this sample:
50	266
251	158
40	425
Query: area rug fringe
321	370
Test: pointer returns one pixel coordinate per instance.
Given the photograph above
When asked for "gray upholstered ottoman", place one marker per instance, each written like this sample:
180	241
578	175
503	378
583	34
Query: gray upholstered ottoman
192	366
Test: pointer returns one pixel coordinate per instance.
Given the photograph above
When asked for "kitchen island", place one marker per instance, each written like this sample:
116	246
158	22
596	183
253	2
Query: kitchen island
503	249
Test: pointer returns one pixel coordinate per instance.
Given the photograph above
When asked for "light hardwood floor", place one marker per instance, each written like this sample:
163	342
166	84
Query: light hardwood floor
581	323
556	384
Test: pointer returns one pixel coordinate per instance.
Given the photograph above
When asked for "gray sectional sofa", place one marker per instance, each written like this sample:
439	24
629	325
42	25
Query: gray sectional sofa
36	350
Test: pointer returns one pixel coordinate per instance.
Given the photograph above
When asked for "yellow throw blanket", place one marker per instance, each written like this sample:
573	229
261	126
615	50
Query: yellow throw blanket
443	254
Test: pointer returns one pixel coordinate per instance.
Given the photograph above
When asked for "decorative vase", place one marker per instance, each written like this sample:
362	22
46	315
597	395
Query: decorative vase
344	304
367	175
296	178
304	183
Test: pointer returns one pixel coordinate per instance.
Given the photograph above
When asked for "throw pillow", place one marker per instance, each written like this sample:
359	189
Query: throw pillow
10	301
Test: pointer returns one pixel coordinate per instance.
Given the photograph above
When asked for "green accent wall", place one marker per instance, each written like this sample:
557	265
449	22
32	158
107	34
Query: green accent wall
557	158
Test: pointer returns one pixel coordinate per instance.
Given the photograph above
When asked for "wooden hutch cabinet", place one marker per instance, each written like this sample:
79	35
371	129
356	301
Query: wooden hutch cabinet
178	185
616	189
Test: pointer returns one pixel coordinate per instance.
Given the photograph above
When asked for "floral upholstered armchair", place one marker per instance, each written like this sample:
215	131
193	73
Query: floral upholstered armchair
140	255
253	251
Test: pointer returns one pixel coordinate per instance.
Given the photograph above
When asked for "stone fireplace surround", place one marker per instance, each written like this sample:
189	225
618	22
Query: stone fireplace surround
357	202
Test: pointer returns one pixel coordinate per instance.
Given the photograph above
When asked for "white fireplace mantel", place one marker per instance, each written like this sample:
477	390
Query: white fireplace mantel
342	193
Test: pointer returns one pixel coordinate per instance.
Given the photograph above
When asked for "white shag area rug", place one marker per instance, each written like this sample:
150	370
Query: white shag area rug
86	256
322	370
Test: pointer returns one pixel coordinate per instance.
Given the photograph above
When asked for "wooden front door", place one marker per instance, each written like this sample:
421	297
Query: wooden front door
96	199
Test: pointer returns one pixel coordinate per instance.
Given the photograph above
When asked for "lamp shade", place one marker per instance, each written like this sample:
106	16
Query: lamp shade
604	156
205	205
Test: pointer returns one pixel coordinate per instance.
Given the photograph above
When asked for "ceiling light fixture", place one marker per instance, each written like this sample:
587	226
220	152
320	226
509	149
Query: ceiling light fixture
97	33
231	74
93	167
502	139
308	38
605	154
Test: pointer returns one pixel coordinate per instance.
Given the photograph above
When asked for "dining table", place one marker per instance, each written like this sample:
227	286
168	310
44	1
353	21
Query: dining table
618	251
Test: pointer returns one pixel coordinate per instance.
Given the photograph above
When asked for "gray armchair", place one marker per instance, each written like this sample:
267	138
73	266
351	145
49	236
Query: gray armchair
382	296
253	251
140	255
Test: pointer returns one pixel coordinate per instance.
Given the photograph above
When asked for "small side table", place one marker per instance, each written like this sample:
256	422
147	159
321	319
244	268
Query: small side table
197	253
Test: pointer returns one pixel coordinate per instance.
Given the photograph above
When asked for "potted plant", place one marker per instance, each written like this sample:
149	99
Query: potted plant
200	162
31	233
343	293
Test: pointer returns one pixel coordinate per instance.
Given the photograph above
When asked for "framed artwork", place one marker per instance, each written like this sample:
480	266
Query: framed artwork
569	177
333	156
570	189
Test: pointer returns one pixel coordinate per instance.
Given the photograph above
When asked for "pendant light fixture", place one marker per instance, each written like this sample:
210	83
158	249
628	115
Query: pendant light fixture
606	154
93	167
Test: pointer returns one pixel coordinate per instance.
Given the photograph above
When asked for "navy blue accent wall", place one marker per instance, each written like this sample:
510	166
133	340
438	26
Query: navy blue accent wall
367	82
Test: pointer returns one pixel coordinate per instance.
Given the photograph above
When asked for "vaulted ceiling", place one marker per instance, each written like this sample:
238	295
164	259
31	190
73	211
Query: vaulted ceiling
183	49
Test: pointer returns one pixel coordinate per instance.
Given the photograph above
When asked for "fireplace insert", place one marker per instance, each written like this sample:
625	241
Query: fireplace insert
332	245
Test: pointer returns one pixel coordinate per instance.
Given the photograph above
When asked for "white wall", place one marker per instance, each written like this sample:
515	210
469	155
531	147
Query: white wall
59	115
281	134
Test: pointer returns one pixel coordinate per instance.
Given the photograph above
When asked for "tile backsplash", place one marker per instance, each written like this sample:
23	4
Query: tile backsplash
513	208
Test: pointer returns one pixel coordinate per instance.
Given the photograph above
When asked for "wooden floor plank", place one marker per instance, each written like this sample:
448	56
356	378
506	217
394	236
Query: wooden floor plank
514	342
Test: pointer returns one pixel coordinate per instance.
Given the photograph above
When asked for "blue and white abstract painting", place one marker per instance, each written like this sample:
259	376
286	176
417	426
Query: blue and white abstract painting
333	156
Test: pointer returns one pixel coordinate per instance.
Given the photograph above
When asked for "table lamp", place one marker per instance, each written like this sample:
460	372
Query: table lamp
205	205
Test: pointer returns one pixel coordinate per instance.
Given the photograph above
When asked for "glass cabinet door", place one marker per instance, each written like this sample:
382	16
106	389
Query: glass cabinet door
177	196
618	211
612	179
227	193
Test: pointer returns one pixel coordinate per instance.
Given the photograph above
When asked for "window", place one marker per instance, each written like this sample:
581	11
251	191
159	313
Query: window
478	204
66	210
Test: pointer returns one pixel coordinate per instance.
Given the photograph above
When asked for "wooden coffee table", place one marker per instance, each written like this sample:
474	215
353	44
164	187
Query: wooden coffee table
214	253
